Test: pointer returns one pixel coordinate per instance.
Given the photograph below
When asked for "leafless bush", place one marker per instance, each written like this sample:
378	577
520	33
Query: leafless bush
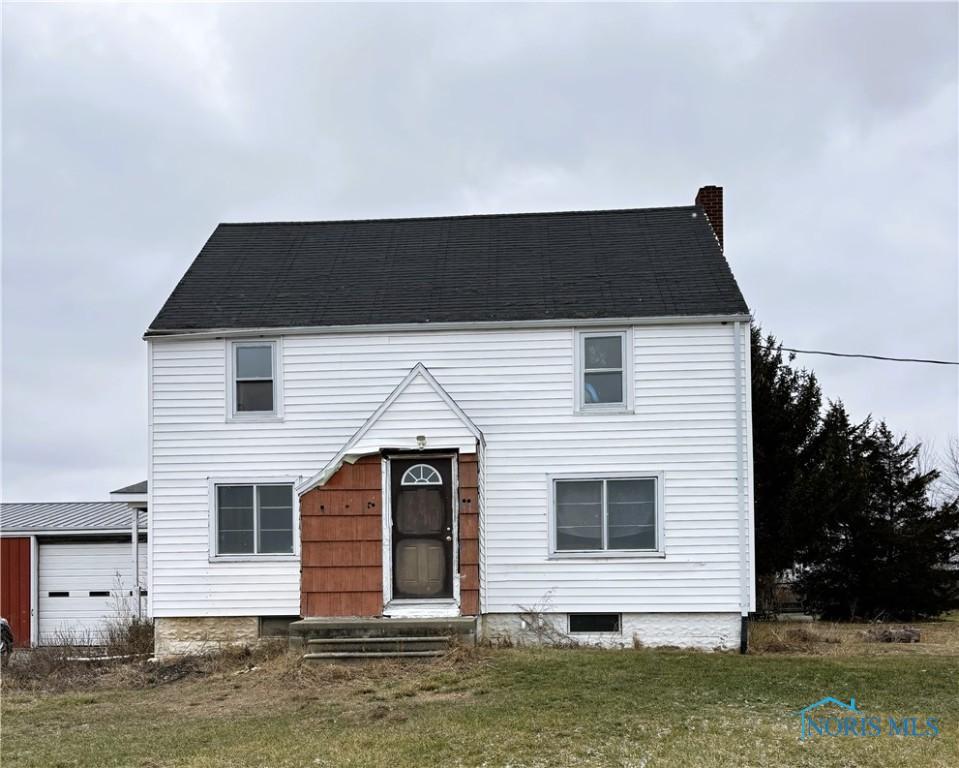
779	637
539	624
129	638
70	666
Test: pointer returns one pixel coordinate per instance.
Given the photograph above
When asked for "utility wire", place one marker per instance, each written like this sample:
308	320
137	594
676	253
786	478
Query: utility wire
869	357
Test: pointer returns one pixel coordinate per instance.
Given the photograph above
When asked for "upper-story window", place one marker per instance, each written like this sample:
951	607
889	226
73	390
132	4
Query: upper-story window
603	368
254	385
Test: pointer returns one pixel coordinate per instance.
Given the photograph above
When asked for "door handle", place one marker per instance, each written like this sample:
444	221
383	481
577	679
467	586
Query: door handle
449	538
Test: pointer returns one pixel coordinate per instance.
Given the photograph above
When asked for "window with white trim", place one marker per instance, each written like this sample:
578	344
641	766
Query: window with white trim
254	378
421	474
254	519
603	363
609	514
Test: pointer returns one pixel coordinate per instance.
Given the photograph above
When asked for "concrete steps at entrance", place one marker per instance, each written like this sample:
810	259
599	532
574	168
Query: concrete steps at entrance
333	639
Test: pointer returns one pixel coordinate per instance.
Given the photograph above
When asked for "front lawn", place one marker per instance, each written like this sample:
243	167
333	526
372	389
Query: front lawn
515	707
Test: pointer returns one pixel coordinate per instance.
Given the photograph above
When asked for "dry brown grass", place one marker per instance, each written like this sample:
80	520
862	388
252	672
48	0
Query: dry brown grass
480	707
67	667
939	638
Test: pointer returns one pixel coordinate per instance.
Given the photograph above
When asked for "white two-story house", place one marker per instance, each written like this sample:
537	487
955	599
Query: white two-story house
496	416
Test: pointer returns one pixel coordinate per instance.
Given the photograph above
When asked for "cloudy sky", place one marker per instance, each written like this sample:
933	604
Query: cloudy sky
129	132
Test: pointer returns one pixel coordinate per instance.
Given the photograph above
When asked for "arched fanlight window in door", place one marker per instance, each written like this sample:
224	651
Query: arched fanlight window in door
421	474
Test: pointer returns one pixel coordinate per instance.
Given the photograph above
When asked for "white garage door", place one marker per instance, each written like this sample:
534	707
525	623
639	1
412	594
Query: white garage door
83	587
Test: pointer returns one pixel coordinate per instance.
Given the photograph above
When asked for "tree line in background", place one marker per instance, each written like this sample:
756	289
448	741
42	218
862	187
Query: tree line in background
845	511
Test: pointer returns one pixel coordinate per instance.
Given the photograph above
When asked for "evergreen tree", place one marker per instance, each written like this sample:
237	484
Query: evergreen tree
786	405
846	504
884	548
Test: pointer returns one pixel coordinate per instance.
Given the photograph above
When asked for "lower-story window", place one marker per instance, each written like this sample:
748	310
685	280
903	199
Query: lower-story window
605	515
254	519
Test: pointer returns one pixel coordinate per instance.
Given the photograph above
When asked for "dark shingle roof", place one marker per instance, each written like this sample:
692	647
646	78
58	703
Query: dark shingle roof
64	516
136	488
593	264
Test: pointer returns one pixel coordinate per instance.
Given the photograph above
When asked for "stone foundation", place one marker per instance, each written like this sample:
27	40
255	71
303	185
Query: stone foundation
206	634
704	631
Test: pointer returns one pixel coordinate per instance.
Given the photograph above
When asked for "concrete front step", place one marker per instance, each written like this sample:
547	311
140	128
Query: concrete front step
438	643
463	629
346	656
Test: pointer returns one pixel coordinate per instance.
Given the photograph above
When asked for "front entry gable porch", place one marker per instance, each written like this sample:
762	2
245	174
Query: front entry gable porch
368	538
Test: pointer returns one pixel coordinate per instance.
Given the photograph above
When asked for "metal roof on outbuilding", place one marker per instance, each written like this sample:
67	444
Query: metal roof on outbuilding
68	516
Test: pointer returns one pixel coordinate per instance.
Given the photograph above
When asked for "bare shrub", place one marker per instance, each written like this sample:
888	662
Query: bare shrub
538	623
781	637
49	668
892	635
70	666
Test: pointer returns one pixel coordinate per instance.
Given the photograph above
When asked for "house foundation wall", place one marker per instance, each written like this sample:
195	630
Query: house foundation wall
703	631
192	635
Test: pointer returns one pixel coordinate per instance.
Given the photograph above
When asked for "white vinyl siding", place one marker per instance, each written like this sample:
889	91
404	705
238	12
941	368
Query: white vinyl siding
518	386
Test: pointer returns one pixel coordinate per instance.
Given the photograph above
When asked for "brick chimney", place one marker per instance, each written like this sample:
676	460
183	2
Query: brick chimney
710	199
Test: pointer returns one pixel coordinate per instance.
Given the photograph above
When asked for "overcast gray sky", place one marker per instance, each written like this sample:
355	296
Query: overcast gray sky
129	132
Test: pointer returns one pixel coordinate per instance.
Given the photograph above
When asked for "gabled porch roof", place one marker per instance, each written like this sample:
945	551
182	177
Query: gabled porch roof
442	422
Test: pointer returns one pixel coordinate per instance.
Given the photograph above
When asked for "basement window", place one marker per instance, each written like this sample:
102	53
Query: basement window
593	622
254	519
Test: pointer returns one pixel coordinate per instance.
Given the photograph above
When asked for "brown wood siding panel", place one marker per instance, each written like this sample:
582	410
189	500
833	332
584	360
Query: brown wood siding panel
341	531
470	577
342	553
469	553
469	526
344	502
342	528
468	534
365	474
342	579
15	587
469	602
468	472
343	604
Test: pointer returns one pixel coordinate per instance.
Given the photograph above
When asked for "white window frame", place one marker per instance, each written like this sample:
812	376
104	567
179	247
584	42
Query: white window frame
579	386
607	554
232	414
214	483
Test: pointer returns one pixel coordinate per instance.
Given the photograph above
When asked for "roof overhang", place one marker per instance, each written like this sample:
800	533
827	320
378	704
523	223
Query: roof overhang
473	325
77	532
137	500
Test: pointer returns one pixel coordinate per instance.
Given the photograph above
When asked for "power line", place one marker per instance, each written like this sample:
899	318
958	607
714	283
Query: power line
869	357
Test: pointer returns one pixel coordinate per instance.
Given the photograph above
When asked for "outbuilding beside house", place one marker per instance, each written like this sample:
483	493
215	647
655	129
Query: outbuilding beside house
69	569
